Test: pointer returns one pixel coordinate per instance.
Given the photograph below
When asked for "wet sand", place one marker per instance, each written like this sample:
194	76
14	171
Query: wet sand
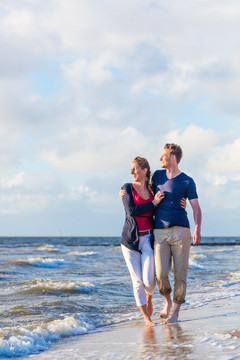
207	332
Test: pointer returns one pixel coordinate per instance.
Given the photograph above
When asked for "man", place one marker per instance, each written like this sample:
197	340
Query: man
172	234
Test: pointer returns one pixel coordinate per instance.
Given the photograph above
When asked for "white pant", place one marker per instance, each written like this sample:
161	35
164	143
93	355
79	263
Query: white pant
141	268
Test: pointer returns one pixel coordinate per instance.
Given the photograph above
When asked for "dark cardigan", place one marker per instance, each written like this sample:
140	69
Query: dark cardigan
130	237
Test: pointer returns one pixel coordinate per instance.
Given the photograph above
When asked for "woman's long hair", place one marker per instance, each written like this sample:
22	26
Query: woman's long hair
144	164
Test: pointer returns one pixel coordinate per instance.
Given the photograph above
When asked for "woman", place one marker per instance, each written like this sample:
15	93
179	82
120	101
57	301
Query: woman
137	237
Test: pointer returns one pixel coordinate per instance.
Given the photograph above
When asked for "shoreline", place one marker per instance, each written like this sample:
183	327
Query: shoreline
210	331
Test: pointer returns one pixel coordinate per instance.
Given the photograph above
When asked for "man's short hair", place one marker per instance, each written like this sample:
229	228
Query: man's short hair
175	150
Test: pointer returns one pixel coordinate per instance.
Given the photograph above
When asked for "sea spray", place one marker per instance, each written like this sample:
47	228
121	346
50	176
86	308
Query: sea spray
19	341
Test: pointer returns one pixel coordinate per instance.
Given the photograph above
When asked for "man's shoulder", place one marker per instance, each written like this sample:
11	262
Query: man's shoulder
127	186
158	173
184	176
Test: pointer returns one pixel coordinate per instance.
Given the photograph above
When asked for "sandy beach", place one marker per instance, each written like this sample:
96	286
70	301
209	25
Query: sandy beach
208	332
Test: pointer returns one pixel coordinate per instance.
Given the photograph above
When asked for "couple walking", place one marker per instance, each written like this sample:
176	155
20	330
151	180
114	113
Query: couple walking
156	219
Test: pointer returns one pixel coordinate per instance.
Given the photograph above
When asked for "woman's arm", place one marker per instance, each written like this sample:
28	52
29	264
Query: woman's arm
133	209
129	205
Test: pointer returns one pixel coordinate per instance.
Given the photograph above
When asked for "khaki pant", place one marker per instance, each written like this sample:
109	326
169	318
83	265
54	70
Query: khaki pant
174	242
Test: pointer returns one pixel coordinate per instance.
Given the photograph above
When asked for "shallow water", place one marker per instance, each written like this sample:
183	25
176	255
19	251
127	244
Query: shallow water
57	287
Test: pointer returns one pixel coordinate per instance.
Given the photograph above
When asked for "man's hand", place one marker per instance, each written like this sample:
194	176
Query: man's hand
197	214
196	237
122	192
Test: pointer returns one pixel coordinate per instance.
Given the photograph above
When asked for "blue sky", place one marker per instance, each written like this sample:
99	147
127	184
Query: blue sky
85	86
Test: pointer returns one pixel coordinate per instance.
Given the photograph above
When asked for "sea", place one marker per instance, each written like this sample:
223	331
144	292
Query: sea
56	287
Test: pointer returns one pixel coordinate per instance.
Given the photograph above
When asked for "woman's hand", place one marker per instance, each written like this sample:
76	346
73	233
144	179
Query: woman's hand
158	197
122	192
183	203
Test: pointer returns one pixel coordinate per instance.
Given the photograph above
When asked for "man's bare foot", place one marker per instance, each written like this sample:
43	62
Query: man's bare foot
149	305
165	312
173	319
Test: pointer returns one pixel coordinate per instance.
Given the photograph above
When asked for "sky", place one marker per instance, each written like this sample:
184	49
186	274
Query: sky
87	85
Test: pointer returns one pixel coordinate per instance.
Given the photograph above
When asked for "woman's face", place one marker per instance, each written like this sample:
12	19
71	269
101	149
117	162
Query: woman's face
137	173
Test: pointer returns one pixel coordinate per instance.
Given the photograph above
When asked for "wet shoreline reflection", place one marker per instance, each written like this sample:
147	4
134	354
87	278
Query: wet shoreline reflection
174	343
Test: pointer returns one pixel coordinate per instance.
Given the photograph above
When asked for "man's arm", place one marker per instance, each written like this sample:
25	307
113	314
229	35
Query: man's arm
197	215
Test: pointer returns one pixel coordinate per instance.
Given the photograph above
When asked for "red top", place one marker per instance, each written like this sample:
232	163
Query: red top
143	220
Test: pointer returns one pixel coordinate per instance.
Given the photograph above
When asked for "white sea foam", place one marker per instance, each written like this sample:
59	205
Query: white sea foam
20	341
232	280
224	250
85	253
194	265
208	295
51	286
235	275
47	247
58	286
197	256
41	262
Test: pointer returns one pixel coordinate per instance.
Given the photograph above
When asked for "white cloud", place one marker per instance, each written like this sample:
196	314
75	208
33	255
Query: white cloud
195	141
27	192
225	158
77	193
217	179
31	182
23	204
19	22
209	152
17	180
220	198
96	148
81	71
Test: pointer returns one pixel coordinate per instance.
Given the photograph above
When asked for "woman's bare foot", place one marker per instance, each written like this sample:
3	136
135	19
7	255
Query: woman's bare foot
149	304
148	321
146	316
166	310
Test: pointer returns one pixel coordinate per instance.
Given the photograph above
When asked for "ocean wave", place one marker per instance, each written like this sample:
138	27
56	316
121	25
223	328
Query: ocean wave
40	262
217	283
47	247
231	280
198	256
22	341
221	250
194	265
85	253
204	296
234	279
235	275
56	286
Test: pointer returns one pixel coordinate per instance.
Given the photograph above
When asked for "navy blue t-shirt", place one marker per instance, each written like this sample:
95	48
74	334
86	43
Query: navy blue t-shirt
169	212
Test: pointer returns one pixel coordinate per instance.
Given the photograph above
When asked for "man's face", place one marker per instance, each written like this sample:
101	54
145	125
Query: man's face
166	158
